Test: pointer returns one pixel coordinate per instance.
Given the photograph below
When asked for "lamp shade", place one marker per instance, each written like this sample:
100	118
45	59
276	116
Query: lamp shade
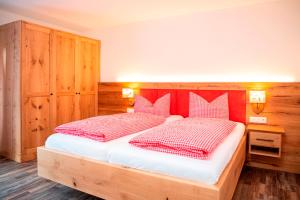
127	93
257	97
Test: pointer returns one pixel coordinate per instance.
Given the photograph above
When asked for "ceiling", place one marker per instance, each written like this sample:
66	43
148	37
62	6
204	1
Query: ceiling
86	15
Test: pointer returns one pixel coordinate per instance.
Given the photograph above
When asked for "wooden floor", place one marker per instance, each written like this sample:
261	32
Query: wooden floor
258	183
20	181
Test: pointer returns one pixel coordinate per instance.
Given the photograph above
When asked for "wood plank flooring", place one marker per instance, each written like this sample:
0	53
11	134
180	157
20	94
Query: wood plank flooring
255	183
20	181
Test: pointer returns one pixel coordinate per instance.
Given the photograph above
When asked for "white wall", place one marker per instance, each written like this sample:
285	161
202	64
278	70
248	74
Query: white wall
254	43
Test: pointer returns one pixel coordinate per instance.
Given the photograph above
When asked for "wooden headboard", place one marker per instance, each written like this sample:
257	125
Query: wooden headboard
282	108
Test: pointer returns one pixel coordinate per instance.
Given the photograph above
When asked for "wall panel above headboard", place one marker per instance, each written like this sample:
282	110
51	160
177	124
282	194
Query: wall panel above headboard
282	108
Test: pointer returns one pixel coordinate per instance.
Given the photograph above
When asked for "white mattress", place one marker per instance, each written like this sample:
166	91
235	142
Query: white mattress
119	151
84	146
206	171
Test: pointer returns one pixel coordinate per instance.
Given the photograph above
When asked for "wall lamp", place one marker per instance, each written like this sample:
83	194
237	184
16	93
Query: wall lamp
128	93
257	100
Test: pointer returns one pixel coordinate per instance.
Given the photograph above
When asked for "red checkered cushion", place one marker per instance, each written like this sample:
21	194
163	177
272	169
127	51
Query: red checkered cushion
160	107
109	127
218	108
191	137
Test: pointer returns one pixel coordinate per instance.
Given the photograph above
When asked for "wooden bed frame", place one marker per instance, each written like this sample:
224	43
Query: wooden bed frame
110	181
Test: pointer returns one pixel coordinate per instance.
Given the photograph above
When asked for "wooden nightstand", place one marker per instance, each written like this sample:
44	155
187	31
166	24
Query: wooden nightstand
265	140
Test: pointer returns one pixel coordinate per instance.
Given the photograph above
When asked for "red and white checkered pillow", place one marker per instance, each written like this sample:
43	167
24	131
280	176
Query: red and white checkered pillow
160	107
218	108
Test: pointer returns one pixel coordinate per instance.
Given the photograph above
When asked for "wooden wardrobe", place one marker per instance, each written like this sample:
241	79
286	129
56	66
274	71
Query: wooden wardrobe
48	77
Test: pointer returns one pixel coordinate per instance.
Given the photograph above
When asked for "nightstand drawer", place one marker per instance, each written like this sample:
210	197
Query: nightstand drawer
265	139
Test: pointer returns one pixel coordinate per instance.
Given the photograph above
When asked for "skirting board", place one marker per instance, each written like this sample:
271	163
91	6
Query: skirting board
110	181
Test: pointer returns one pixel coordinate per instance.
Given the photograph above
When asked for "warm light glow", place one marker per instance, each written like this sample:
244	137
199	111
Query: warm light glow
205	78
127	93
257	97
130	110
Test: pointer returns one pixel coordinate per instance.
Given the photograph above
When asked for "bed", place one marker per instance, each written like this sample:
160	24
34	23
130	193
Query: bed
116	179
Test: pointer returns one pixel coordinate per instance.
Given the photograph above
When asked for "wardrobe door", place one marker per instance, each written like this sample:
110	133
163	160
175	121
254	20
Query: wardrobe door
36	60
36	125
63	57
88	68
36	94
87	105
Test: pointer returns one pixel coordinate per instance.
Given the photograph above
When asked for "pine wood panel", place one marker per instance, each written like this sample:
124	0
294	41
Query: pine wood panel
63	49
10	90
36	63
259	138
88	62
87	106
17	104
63	54
36	124
6	55
37	95
265	128
65	109
88	74
282	108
